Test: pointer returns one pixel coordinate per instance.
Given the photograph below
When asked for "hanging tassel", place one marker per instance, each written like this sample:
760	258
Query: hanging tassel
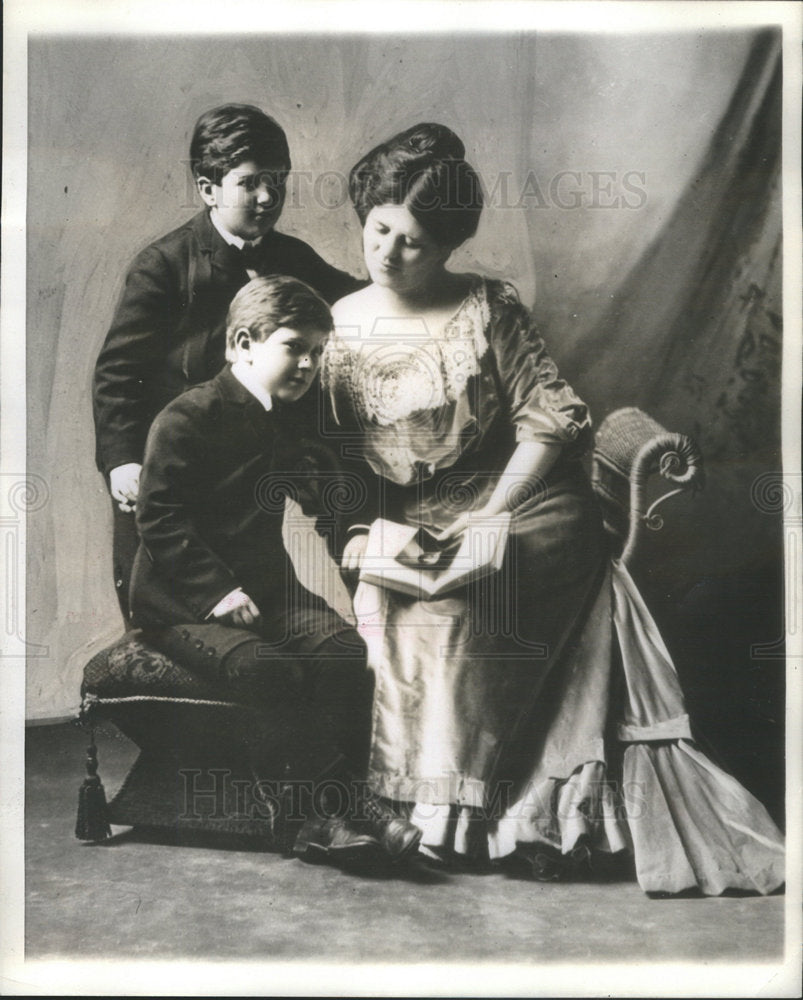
92	822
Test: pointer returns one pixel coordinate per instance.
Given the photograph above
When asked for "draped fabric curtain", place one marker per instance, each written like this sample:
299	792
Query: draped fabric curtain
673	304
693	333
697	322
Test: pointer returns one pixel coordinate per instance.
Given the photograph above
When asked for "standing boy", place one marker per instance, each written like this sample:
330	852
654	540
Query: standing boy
168	332
213	586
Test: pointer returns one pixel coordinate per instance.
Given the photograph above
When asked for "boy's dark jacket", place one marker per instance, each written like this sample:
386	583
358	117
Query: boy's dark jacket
168	331
217	469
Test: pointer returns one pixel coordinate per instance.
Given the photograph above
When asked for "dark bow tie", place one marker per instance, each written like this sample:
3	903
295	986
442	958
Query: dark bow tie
250	256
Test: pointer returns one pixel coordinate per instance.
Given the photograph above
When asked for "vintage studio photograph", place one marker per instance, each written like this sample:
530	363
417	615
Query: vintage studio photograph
405	499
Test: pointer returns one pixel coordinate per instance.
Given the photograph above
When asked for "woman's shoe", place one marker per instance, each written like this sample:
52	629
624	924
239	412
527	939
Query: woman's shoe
548	864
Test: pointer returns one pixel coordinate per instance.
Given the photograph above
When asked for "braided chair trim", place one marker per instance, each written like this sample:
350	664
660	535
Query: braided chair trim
132	668
90	700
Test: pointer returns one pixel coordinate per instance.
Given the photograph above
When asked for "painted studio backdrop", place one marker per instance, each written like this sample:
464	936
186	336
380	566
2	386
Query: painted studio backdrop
633	196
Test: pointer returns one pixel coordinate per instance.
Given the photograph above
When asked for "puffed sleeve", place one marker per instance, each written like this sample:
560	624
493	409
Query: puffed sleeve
540	405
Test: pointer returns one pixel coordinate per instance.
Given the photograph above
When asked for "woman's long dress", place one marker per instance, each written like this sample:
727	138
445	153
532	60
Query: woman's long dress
501	714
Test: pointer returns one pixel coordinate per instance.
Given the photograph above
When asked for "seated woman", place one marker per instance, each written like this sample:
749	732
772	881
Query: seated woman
499	719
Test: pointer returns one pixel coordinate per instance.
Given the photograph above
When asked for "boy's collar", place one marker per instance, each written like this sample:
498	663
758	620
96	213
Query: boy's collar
211	242
230	238
244	375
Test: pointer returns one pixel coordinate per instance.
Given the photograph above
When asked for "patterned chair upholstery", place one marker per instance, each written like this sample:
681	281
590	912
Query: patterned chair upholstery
193	769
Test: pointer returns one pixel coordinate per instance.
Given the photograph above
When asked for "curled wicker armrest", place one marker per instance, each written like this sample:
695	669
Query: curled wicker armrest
630	447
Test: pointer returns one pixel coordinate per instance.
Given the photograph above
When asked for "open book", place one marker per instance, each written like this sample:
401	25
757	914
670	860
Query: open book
411	560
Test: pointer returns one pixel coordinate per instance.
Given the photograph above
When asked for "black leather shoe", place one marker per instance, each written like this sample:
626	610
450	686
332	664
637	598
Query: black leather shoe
398	837
336	840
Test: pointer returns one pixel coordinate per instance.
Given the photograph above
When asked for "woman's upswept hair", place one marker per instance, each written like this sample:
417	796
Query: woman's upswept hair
266	304
424	169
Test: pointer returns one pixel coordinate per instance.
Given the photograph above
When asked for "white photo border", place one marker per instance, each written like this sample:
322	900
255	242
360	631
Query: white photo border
142	17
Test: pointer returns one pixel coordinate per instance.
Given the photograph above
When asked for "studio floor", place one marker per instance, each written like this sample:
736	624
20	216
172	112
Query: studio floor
137	896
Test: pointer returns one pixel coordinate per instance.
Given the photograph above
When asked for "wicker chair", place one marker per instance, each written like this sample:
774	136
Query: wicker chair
629	449
193	770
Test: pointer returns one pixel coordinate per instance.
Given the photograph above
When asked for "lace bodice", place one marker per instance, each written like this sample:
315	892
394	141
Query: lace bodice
420	400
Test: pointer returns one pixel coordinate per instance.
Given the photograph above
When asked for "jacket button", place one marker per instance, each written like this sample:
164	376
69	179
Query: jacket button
210	651
199	644
185	634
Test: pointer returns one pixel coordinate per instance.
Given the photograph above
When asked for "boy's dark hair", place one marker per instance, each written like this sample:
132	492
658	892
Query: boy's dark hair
232	134
266	304
424	169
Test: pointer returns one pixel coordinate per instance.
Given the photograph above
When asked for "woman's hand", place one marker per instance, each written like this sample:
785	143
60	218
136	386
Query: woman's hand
458	526
353	553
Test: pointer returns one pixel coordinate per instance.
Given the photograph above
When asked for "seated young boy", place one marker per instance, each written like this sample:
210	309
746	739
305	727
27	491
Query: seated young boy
213	586
168	332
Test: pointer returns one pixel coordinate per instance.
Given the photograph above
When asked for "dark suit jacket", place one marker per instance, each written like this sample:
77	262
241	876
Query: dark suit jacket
169	329
209	513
